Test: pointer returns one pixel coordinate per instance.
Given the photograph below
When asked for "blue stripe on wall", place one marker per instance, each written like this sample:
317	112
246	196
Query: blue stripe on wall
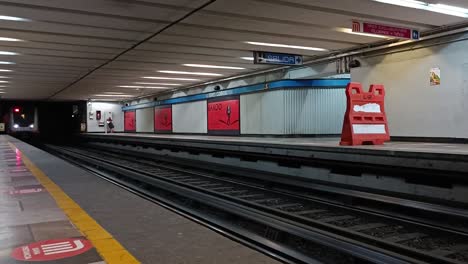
283	84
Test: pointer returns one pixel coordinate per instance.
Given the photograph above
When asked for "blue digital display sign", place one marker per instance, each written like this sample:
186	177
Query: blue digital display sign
261	57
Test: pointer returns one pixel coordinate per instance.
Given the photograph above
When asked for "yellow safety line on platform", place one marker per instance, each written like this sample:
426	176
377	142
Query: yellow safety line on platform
110	249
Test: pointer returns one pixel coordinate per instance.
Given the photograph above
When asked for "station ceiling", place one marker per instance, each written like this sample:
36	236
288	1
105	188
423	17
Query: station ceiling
61	41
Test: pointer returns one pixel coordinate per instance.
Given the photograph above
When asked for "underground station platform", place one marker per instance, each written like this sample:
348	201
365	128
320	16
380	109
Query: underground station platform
421	155
234	132
147	198
55	212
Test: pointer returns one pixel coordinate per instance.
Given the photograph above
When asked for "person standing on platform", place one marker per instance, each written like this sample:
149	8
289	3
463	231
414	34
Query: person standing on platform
110	125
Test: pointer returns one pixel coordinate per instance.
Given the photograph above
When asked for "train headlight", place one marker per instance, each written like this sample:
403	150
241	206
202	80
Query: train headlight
31	125
16	126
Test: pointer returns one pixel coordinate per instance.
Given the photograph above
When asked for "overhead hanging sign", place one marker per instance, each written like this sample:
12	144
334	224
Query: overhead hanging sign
385	30
261	57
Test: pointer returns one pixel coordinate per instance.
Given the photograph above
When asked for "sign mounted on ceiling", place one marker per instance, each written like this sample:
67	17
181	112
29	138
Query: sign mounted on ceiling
261	57
385	30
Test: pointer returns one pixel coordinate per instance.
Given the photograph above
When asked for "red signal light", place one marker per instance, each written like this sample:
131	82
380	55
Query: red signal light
16	110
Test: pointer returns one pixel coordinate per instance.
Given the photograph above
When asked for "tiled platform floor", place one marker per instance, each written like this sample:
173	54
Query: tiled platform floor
150	233
29	214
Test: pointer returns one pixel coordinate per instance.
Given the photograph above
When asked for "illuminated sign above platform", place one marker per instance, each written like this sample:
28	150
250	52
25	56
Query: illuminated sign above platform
261	57
385	30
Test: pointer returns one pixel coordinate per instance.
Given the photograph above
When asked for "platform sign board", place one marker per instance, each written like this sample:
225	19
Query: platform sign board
130	121
50	250
224	116
261	57
385	30
163	119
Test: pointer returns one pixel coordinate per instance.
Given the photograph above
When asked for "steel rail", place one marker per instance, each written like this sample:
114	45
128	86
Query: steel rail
360	251
364	240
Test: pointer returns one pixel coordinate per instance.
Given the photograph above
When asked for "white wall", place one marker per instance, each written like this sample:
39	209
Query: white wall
145	120
413	106
117	116
190	117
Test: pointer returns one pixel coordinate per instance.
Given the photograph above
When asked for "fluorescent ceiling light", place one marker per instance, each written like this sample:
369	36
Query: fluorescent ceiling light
4	70
4	81
350	31
142	87
449	10
284	46
213	66
129	86
170	78
113	95
6	62
438	8
10	39
247	58
3	86
192	73
168	84
4	77
8	53
12	18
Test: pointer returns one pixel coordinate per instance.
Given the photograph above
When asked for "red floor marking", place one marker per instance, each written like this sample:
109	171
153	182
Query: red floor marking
51	249
26	190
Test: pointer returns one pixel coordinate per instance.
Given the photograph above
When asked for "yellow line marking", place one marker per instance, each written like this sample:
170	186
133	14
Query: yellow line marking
110	249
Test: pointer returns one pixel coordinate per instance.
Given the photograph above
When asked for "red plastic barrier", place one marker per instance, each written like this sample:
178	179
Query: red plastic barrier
365	121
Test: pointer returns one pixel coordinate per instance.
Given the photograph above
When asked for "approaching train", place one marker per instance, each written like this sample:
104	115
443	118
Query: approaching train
23	119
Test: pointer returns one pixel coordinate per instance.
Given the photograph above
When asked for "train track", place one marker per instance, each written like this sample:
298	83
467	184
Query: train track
351	234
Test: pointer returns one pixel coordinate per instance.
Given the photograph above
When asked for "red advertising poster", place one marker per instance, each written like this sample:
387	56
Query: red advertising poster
130	121
224	116
163	119
49	250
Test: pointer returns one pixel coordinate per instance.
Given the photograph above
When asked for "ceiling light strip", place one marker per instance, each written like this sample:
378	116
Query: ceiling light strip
169	78
438	8
147	83
12	18
284	46
192	73
214	66
8	53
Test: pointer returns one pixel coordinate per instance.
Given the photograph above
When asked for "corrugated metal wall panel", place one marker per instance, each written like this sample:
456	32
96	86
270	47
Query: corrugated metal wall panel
190	117
145	120
314	111
262	113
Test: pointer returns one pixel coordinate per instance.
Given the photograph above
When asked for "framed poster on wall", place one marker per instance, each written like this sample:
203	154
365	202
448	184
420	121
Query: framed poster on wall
130	121
163	119
224	116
